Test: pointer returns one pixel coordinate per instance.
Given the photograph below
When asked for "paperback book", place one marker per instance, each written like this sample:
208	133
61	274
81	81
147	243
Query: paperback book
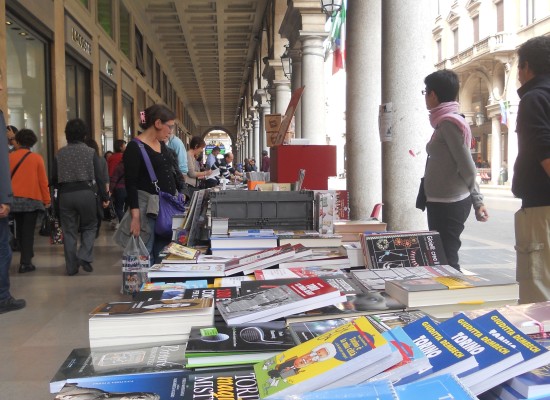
453	289
182	251
277	302
185	270
85	364
322	240
259	260
161	386
535	382
445	386
244	344
346	285
243	242
535	355
201	259
229	383
298	272
404	249
323	360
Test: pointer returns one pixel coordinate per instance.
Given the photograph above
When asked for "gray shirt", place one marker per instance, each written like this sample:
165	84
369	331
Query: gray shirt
450	173
6	194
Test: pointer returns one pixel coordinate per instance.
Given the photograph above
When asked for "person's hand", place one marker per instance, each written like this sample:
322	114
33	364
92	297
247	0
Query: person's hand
4	210
482	214
106	204
135	227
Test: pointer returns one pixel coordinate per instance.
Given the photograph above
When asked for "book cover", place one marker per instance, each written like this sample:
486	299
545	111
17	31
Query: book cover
232	281
322	360
201	259
443	354
492	356
129	308
444	386
325	206
323	240
403	249
84	363
260	260
217	293
375	279
251	232
161	386
182	251
277	302
298	272
196	283
535	382
453	289
185	270
229	383
243	242
535	355
344	284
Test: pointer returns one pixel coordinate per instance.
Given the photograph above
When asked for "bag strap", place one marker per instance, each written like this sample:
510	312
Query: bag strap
19	163
147	160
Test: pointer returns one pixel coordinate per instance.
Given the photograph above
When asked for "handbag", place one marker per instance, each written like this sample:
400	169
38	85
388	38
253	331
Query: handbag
421	196
45	228
169	205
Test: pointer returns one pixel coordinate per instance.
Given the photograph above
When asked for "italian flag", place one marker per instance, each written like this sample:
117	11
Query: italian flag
338	35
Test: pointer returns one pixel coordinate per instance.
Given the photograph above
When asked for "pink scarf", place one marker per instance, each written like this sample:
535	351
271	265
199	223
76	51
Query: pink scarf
449	112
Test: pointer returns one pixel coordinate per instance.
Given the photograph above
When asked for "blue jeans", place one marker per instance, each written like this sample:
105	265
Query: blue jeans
5	259
156	243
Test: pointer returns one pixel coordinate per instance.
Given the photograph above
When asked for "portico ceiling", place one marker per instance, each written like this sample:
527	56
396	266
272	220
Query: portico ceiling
208	48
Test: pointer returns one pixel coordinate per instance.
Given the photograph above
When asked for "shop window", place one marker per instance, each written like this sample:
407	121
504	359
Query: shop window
157	78
108	112
127	119
139	51
125	30
27	96
140	99
105	15
455	41
149	71
164	88
475	23
78	90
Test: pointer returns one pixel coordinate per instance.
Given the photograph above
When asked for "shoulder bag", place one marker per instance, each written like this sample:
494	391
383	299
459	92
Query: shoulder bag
169	205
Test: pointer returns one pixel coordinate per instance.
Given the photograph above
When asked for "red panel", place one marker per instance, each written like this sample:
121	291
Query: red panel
319	161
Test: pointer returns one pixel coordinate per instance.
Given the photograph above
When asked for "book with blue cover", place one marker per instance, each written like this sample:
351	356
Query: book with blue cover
505	392
535	355
163	386
491	355
442	352
85	364
446	386
535	382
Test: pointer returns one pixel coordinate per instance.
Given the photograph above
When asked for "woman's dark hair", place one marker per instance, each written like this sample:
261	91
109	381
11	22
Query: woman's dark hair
196	142
76	130
12	128
108	153
536	52
156	111
444	83
93	144
26	138
118	145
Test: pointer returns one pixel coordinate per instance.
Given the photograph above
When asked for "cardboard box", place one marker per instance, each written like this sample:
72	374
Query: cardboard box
272	122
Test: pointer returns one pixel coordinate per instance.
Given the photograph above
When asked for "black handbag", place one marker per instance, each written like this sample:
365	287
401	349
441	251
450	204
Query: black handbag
421	196
45	228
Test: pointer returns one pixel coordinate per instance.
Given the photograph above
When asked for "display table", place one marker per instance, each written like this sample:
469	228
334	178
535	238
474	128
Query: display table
319	161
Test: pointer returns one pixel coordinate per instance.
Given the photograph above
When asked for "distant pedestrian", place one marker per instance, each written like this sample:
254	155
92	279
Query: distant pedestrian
531	181
265	164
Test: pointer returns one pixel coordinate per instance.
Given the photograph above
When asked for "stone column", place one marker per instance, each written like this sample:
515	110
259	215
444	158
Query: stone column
313	78
265	109
282	96
363	94
256	135
496	143
296	82
405	63
250	131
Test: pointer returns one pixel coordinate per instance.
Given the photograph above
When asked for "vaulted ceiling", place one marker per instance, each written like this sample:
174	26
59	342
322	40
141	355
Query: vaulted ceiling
209	46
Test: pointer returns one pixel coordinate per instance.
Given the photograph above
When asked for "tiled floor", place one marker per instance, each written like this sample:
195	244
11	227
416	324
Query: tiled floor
36	340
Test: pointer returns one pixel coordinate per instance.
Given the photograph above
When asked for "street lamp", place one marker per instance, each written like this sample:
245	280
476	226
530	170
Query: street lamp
286	61
331	7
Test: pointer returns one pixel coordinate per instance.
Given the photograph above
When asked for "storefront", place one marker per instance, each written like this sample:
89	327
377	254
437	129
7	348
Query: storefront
107	85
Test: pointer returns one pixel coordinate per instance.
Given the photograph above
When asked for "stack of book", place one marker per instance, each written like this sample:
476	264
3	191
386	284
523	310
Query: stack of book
351	230
242	242
147	322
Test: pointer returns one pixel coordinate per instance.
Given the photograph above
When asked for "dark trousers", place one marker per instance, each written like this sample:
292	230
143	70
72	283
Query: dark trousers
5	259
26	225
119	197
448	219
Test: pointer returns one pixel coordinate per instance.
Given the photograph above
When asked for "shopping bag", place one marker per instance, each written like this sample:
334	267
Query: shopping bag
56	233
45	229
135	265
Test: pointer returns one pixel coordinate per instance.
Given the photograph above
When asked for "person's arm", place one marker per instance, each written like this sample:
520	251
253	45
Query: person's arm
6	194
43	182
192	170
100	180
182	155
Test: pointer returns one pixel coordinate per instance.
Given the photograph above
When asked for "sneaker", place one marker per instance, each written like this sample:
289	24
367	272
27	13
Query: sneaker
11	304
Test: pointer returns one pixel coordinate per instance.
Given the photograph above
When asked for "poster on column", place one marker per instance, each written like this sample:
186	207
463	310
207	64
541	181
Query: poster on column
385	122
287	118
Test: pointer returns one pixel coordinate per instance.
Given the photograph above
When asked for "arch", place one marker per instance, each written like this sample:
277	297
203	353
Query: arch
471	88
228	132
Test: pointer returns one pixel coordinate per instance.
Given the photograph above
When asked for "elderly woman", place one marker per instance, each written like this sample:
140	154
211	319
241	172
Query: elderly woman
194	174
77	174
157	124
449	179
30	191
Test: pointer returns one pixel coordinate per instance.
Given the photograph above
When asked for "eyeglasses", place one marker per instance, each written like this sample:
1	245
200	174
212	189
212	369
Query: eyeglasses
424	92
171	127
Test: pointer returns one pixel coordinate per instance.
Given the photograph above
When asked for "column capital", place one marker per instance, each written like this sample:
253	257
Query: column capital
301	15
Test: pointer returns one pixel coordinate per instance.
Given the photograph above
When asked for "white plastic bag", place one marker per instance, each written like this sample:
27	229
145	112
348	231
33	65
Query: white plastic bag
135	265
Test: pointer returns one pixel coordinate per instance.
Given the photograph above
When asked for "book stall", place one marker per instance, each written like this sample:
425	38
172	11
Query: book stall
278	295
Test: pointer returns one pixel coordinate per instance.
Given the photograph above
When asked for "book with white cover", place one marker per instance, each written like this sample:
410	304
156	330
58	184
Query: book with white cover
185	270
259	260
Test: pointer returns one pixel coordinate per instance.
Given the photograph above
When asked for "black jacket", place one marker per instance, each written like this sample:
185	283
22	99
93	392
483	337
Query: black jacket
530	182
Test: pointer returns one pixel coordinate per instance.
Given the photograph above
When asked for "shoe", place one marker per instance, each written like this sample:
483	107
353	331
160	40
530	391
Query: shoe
73	272
11	304
86	266
26	268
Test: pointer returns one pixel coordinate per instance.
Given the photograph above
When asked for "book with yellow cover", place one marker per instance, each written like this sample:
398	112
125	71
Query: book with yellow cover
185	252
344	351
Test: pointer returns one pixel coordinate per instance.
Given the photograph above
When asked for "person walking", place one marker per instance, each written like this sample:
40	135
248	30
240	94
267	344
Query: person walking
449	179
77	173
531	181
31	194
7	301
157	124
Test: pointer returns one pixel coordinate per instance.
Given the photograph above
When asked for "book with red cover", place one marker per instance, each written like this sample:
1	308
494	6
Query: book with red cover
277	302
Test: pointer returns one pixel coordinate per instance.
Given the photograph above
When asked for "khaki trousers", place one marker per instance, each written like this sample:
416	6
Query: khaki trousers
532	226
